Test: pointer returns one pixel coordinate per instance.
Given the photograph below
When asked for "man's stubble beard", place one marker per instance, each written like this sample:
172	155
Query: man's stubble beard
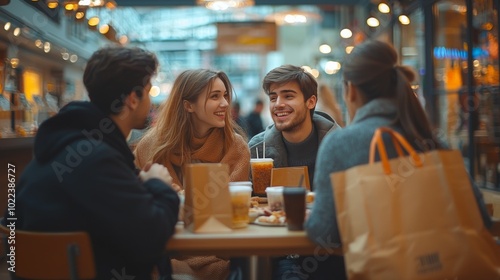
294	125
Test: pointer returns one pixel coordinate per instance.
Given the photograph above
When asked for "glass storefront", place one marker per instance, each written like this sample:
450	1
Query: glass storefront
460	116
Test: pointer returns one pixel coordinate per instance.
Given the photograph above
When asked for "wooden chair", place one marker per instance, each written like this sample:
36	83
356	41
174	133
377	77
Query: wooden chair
50	255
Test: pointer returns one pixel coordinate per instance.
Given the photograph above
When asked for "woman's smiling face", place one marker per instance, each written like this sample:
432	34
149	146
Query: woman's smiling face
211	112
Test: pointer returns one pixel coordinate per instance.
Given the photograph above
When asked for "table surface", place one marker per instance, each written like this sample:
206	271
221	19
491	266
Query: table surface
254	240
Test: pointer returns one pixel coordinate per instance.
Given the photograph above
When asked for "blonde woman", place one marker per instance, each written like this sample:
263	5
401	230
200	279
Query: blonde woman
195	125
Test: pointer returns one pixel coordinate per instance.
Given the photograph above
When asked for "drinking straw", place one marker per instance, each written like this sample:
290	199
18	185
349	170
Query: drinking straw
301	180
264	149
257	151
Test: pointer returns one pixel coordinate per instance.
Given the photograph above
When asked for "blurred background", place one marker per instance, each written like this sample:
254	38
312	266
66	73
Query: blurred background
451	44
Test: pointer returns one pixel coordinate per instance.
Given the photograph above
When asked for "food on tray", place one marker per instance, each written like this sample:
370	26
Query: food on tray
276	217
254	202
253	213
275	198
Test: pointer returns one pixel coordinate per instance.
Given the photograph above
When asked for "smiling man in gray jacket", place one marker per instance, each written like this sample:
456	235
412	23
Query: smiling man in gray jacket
293	140
294	137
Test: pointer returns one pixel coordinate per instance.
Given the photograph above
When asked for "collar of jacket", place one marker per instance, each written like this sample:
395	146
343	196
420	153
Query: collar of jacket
275	148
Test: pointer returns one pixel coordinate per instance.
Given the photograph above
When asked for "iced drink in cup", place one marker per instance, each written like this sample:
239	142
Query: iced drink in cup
240	201
295	207
261	174
275	198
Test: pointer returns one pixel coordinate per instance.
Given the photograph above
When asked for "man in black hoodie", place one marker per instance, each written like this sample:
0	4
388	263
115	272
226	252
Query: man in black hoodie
83	177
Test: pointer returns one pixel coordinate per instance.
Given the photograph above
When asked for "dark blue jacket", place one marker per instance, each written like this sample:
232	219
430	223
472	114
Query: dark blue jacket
83	178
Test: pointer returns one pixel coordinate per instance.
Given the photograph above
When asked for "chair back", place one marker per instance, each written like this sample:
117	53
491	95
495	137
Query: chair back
51	255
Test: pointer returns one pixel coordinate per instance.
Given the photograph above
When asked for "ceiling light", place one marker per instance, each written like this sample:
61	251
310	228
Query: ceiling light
384	8
405	20
79	15
104	29
221	5
17	31
93	22
325	48
332	67
65	55
372	22
154	91
14	62
123	39
46	47
70	6
346	33
73	58
294	17
110	4
52	4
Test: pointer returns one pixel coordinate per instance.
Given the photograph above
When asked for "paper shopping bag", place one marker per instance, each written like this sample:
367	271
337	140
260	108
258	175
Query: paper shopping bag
207	205
413	217
290	176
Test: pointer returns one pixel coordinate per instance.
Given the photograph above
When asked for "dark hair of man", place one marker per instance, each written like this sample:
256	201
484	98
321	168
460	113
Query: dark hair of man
372	67
112	73
287	73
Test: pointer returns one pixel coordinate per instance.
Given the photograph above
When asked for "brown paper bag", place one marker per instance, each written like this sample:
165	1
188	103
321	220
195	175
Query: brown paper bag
207	205
412	217
290	176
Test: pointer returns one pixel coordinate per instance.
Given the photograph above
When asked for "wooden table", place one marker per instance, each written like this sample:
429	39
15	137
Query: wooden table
254	240
255	243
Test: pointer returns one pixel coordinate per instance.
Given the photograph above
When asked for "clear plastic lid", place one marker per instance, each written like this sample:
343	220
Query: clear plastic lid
278	189
239	188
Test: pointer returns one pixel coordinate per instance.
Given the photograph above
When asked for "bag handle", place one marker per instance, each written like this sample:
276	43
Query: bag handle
398	140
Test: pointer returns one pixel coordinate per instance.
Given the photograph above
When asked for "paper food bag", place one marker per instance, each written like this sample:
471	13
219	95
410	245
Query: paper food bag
207	205
290	176
413	217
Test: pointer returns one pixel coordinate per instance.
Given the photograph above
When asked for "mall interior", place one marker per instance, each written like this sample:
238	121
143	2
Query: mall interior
451	44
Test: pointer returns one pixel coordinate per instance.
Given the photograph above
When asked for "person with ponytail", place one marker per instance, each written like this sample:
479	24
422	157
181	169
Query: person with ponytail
377	93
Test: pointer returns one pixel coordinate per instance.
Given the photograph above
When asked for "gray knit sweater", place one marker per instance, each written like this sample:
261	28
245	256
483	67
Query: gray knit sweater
343	149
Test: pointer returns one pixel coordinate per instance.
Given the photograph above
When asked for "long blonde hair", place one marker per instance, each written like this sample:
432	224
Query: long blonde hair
174	125
328	103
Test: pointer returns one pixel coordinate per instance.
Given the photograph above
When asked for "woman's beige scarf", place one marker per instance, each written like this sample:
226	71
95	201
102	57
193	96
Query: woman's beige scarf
209	149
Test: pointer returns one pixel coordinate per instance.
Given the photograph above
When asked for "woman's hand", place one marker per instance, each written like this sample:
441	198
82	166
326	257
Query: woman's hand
158	171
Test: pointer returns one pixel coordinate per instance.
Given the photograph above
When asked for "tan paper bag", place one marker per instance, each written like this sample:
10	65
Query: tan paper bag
413	217
207	205
290	176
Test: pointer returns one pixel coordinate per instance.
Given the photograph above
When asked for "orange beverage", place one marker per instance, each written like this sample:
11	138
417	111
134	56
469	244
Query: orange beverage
240	201
261	174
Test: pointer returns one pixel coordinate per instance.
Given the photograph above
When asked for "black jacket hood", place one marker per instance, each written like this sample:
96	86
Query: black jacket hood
78	120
